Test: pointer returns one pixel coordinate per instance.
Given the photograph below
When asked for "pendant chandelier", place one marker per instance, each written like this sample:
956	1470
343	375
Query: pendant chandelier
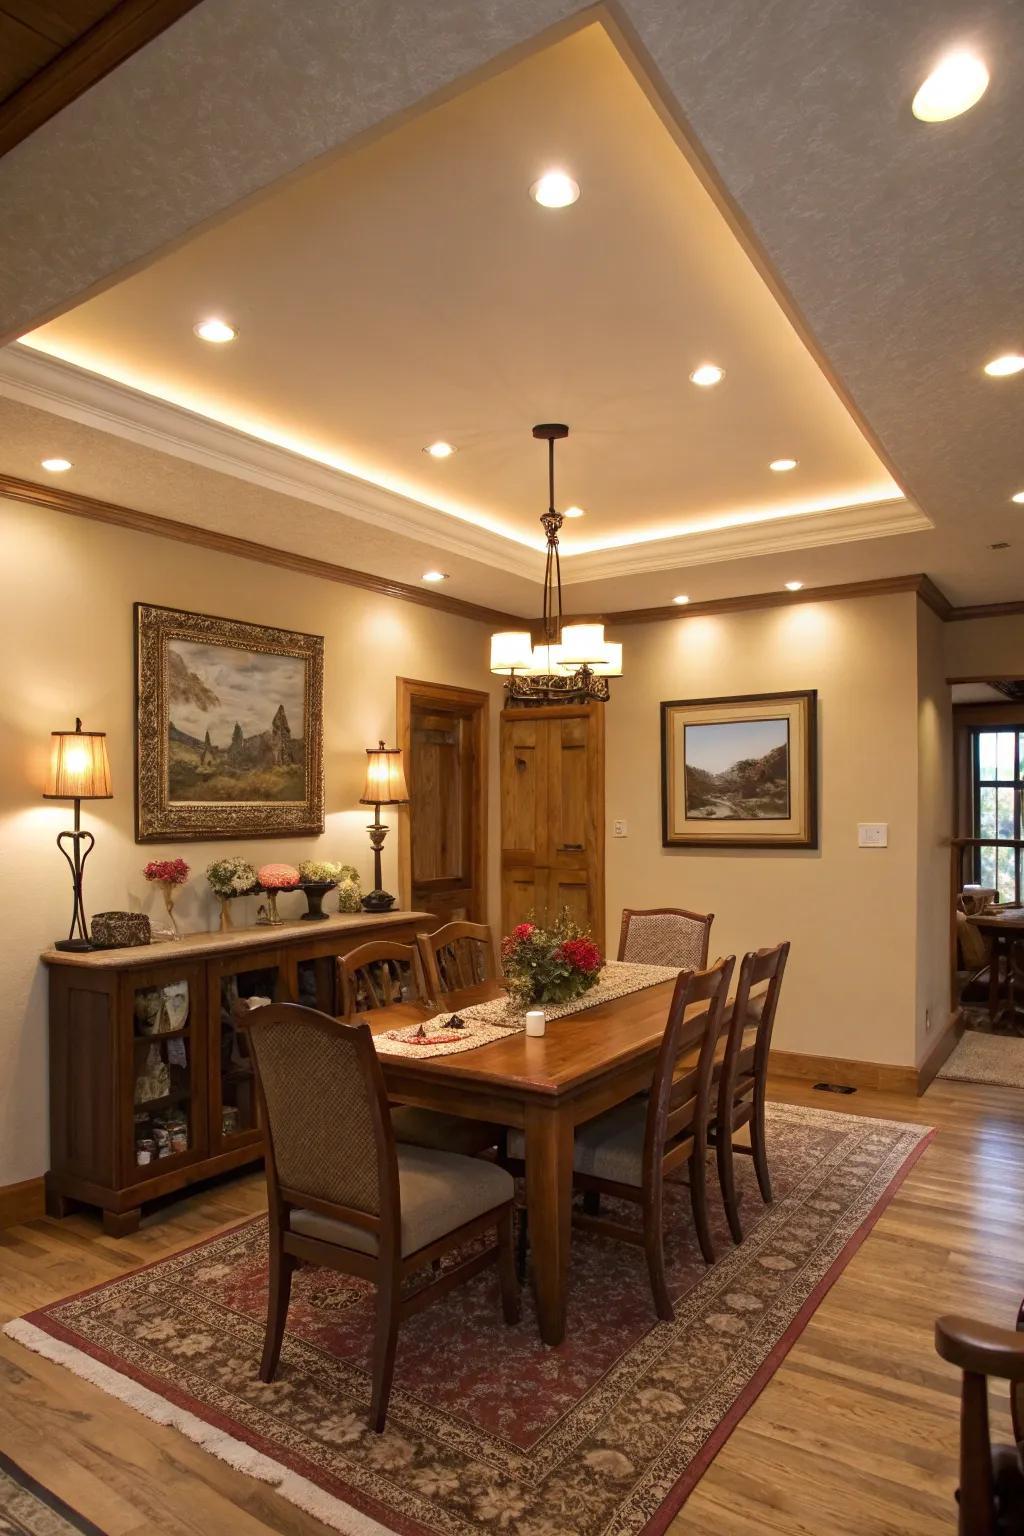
573	662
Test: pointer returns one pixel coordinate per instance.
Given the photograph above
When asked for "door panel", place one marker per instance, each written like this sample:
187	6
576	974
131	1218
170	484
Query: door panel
524	789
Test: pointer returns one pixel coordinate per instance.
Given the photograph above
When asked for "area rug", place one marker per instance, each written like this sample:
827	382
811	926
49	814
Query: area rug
489	1430
986	1058
29	1509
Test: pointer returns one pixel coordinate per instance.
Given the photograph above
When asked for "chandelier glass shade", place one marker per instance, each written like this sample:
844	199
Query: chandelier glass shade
571	663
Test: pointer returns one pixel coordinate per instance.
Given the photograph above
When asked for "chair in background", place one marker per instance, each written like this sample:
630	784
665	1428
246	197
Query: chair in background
743	1074
457	956
378	975
343	1195
627	1152
991	1494
665	936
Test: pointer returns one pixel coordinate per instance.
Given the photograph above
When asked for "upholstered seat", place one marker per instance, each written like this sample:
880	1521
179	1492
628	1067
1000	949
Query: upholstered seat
438	1191
445	1133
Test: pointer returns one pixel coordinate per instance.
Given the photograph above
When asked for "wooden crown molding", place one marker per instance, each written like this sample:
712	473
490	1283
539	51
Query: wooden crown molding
123	31
987	611
923	585
76	505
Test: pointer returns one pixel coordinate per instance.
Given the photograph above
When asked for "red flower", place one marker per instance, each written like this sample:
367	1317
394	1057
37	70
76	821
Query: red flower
581	954
523	931
174	871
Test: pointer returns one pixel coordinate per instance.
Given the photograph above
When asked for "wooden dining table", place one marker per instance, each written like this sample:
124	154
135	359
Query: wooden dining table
585	1063
1003	929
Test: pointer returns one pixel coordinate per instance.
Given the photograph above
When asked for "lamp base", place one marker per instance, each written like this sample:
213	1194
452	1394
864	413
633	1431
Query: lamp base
76	946
378	901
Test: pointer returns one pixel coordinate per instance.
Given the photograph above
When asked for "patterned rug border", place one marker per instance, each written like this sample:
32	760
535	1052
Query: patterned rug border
336	1504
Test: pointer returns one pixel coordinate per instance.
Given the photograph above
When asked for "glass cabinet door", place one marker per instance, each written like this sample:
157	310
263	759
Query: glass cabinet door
233	1107
165	1068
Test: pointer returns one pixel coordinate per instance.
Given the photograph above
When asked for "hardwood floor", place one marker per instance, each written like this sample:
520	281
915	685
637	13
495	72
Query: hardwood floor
855	1435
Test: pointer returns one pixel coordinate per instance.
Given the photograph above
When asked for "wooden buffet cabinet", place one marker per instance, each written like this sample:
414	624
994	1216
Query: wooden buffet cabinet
127	1022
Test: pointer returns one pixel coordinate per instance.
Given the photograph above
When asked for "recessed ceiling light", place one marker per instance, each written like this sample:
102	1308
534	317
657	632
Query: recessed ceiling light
435	575
1003	367
781	465
707	374
682	599
1018	497
555	190
793	586
215	330
439	450
575	512
954	86
56	466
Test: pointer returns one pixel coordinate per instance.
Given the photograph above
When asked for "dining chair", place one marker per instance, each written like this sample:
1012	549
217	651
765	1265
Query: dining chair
456	956
379	974
344	1195
665	936
990	1498
743	1076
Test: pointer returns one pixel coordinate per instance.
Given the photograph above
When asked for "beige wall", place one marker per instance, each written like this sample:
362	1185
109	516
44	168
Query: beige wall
934	828
980	648
69	586
851	913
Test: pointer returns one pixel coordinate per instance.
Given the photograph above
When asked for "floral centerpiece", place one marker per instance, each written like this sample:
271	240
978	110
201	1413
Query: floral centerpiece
273	878
170	875
229	878
317	876
549	965
350	896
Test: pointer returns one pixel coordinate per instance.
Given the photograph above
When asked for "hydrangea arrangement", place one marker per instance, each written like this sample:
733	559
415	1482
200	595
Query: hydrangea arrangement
318	872
231	877
277	877
167	871
549	965
350	897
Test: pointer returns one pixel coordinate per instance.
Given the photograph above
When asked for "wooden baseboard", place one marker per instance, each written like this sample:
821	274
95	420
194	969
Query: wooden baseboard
941	1050
21	1202
837	1069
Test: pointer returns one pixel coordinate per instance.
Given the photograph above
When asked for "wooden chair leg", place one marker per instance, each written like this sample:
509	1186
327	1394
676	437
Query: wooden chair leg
654	1248
758	1147
727	1179
282	1267
511	1301
522	1245
385	1342
699	1200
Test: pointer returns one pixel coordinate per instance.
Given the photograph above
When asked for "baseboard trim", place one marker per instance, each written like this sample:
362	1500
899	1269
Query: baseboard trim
838	1069
22	1202
940	1051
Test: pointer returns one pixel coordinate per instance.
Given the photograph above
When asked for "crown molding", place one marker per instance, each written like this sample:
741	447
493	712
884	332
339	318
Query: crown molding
63	389
76	505
881	586
988	611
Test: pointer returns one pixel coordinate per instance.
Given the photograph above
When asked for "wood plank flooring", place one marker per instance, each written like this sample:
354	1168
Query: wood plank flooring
856	1434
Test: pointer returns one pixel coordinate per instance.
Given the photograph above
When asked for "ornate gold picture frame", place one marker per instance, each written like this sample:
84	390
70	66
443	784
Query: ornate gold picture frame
228	728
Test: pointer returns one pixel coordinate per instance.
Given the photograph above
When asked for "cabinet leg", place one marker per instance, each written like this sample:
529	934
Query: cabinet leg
121	1223
58	1205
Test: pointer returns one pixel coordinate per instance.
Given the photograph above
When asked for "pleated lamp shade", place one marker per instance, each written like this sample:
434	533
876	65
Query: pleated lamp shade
79	767
385	777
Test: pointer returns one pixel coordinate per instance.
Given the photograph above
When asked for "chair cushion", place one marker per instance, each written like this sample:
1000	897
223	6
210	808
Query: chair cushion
445	1133
439	1192
610	1147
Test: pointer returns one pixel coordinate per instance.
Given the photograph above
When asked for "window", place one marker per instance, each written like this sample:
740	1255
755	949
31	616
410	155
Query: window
998	764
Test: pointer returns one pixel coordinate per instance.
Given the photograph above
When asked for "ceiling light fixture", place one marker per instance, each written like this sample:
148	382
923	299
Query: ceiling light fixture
794	586
56	466
439	450
217	331
1018	497
955	85
555	190
681	600
435	575
707	374
575	512
1005	366
573	662
780	466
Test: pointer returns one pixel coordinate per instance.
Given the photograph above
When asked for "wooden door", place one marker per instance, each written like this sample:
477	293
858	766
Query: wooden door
552	815
443	839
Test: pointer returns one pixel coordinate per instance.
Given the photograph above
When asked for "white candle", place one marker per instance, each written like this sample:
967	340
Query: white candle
535	1021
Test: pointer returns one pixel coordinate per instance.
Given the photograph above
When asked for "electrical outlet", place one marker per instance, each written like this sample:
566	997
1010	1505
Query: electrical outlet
619	828
873	834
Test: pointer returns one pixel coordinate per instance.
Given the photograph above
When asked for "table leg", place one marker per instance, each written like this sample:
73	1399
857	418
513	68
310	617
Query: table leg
993	979
549	1141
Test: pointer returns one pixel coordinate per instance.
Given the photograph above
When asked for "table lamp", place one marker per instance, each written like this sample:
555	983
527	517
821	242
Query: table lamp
79	771
385	785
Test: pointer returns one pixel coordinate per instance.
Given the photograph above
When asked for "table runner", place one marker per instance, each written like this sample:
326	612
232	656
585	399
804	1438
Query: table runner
495	1020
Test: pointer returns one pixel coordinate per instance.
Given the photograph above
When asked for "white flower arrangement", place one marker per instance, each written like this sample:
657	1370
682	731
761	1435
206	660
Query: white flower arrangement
231	877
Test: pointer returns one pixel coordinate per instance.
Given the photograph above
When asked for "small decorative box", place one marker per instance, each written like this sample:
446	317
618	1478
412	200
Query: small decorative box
120	930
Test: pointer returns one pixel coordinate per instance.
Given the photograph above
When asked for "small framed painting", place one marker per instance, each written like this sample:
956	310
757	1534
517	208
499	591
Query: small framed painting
228	728
740	772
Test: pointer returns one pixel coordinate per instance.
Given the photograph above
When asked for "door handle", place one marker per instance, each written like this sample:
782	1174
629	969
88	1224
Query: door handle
570	847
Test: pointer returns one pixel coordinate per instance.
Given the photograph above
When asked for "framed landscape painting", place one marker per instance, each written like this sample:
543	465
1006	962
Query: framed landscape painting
740	772
228	728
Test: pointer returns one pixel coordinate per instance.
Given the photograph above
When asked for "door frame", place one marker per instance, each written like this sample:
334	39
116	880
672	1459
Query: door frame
408	692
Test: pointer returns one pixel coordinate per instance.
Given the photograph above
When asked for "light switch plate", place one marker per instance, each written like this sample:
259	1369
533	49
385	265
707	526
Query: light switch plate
619	827
872	834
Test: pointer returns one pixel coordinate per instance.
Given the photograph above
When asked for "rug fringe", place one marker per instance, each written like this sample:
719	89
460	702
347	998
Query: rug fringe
243	1458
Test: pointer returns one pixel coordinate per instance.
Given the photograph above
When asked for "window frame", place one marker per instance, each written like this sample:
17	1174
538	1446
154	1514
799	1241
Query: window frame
996	784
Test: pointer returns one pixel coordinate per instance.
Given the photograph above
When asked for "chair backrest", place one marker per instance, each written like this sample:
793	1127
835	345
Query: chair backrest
681	1105
330	1146
378	974
762	969
456	956
666	936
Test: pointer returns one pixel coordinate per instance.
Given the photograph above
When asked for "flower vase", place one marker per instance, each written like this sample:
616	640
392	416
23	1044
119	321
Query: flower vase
315	891
170	891
274	918
226	920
